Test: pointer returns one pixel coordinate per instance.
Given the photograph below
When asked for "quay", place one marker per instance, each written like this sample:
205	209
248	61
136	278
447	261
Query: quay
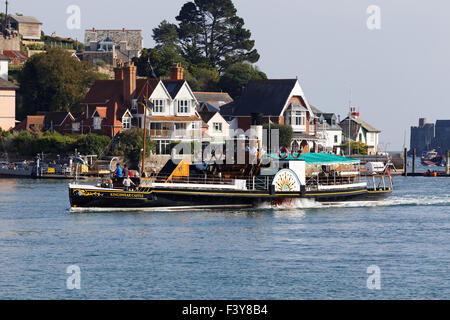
414	173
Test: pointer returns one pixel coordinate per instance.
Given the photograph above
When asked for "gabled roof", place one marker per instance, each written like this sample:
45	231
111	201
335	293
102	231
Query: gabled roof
211	97
101	111
104	90
56	118
122	112
208	107
25	19
173	86
6	85
354	126
206	115
263	96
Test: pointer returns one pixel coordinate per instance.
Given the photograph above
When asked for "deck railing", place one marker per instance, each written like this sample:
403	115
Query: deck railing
251	183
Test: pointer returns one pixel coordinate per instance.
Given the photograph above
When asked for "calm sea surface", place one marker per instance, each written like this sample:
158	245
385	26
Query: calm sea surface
309	252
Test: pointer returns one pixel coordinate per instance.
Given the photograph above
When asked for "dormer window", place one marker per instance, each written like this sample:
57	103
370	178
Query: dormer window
97	123
134	106
126	123
183	106
158	106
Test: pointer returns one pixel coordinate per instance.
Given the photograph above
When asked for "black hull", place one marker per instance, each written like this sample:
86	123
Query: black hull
173	198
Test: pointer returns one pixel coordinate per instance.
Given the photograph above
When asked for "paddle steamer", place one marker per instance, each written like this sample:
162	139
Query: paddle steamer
273	179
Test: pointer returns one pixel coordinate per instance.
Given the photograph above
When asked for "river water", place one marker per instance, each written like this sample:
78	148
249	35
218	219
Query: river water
308	252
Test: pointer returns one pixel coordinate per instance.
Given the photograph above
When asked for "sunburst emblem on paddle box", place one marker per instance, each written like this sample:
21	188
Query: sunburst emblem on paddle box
286	181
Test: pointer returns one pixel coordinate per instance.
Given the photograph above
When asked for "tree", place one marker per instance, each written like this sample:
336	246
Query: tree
54	81
285	131
166	36
210	32
129	144
92	144
358	147
237	76
161	60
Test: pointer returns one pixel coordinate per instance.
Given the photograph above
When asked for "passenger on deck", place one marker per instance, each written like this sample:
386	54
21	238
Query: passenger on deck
126	172
118	174
127	183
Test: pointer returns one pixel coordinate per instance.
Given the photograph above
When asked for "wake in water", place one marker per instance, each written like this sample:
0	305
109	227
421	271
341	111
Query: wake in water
295	204
393	201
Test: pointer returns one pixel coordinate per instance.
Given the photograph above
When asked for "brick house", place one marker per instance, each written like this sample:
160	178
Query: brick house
111	106
280	102
47	121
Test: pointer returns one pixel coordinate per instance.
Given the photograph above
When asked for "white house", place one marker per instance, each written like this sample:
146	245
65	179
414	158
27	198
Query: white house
4	61
174	116
328	131
218	129
355	129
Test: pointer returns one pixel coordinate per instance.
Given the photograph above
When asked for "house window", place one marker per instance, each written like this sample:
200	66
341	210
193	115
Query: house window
158	106
335	139
126	123
76	126
195	126
183	106
300	118
360	137
217	127
97	123
163	147
134	106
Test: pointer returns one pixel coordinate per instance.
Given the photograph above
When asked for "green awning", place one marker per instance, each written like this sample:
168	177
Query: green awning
318	158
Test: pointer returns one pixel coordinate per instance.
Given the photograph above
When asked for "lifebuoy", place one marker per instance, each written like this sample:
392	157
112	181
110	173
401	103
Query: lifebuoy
299	154
283	153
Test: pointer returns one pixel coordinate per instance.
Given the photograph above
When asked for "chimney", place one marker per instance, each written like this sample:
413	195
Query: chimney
118	73
129	83
422	122
176	72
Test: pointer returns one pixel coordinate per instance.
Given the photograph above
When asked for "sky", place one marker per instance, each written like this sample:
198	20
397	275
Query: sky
393	74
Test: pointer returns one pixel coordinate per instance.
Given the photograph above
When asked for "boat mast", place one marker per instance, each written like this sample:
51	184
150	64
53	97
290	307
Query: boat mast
145	129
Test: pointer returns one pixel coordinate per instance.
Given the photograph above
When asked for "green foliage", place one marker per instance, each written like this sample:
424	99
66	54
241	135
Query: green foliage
207	78
358	147
3	136
54	143
58	42
54	81
92	144
102	76
20	143
210	30
161	60
35	46
100	63
285	131
26	144
166	36
129	143
237	76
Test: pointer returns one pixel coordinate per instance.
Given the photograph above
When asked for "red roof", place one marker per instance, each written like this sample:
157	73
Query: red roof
15	54
101	111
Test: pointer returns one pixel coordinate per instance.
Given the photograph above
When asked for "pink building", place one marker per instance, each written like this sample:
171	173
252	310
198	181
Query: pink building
7	105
